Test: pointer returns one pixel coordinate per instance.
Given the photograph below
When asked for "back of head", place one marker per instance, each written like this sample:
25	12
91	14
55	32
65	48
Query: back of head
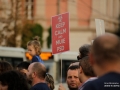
23	65
50	81
39	69
86	66
36	44
5	66
106	48
84	51
14	80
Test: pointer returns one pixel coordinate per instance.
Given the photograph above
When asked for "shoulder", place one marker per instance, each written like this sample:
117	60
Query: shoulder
104	82
40	86
96	84
37	59
34	57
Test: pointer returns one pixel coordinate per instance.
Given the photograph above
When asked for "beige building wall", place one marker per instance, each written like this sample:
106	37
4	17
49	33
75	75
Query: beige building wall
78	38
82	20
108	10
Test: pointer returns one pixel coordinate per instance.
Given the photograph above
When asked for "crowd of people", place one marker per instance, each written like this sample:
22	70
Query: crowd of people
97	68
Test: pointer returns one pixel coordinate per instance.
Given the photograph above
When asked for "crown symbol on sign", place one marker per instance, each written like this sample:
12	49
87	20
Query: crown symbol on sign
60	18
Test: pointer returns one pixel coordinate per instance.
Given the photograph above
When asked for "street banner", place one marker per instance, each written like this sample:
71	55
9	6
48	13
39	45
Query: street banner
60	33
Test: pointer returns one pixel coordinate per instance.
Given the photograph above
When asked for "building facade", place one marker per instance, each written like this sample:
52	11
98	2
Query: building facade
82	22
82	17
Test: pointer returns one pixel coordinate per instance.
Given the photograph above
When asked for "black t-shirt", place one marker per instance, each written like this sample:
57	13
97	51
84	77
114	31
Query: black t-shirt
40	86
110	81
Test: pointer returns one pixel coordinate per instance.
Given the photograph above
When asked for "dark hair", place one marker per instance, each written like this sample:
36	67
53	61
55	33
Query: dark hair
23	65
106	48
36	38
39	69
86	66
14	80
5	66
84	51
49	79
73	67
36	44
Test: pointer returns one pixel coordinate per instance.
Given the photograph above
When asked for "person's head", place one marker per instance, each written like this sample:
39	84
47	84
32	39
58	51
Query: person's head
50	81
105	52
13	80
34	46
5	66
85	69
74	63
36	70
72	77
84	51
23	67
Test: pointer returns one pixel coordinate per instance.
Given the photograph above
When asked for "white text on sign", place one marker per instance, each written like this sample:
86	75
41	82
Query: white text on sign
60	48
59	25
60	41
59	32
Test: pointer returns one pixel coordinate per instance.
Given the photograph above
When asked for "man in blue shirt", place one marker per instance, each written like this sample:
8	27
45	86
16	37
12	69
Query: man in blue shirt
36	73
105	60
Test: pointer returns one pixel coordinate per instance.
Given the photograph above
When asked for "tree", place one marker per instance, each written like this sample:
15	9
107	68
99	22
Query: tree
49	38
31	30
11	22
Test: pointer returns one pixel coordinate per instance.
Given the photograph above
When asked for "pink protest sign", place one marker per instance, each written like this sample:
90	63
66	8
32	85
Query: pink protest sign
60	33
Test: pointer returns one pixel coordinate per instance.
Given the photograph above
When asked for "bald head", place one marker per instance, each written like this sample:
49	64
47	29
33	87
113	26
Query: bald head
39	69
106	48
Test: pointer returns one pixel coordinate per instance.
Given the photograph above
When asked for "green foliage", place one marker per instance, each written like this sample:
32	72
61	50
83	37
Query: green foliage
37	30
49	38
30	31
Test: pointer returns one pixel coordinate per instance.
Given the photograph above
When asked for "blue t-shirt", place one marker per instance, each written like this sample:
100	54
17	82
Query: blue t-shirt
40	86
110	81
37	59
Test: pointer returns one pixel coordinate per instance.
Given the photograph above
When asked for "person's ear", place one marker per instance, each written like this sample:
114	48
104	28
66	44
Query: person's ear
81	70
34	74
91	59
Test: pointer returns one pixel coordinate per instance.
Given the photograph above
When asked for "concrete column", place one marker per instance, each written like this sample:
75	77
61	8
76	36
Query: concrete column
95	13
72	9
96	6
110	8
29	10
40	8
72	5
103	6
116	4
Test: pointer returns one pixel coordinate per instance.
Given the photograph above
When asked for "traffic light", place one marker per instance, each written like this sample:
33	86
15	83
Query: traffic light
43	55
